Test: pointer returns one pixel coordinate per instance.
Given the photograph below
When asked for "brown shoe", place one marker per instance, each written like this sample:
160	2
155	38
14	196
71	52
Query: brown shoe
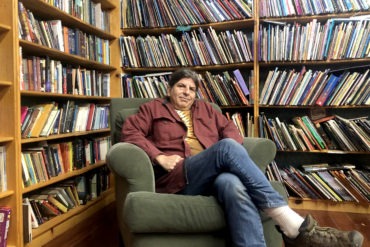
312	235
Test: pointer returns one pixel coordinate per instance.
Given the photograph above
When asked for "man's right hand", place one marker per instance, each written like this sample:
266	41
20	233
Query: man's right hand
168	162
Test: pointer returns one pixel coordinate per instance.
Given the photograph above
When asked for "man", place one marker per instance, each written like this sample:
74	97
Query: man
195	150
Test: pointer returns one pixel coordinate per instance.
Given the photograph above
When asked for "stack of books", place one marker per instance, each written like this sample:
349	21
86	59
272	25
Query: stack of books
339	183
144	13
40	164
278	8
336	39
322	88
226	89
191	49
52	34
62	197
327	133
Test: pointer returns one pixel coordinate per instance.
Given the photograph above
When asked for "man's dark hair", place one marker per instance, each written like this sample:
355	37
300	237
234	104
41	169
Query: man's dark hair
183	73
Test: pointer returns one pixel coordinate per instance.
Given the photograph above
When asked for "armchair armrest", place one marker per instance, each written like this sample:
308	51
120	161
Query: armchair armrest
130	163
261	150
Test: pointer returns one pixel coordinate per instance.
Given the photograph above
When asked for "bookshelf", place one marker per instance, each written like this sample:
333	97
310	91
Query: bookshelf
13	95
9	197
261	65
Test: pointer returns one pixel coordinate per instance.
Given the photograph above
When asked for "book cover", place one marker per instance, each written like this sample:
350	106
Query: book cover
5	213
330	86
27	223
45	110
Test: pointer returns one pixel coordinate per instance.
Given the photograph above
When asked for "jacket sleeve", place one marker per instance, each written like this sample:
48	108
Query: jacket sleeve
137	130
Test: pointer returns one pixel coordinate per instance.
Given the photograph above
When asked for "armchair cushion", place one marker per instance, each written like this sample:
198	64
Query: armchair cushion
149	212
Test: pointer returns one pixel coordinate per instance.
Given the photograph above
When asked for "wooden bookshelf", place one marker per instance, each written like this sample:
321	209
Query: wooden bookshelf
59	225
12	97
9	112
326	205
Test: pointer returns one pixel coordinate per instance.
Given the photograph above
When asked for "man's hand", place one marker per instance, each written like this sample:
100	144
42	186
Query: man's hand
168	162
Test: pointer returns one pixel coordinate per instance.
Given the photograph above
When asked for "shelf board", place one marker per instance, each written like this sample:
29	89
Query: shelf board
106	4
48	12
7	193
326	205
62	177
237	24
6	139
294	107
66	96
308	18
62	136
4	28
354	62
197	68
5	83
324	152
34	49
230	107
103	200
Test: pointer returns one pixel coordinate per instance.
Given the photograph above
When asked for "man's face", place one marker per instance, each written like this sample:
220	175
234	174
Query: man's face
182	94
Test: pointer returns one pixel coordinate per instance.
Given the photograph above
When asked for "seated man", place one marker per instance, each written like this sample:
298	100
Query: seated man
195	150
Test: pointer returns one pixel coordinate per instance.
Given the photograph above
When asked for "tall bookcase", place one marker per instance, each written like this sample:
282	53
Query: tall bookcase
260	71
9	104
12	97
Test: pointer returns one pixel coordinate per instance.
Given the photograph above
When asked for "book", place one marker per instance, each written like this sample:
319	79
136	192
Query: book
308	135
50	121
31	122
307	121
82	189
241	82
5	213
45	110
34	222
53	200
27	222
330	86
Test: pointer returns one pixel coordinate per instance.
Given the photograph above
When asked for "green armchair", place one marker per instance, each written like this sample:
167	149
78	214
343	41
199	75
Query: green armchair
150	219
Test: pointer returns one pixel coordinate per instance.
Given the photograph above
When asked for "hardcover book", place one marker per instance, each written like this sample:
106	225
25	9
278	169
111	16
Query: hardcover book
5	213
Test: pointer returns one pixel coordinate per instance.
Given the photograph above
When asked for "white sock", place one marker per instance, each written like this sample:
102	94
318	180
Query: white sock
287	219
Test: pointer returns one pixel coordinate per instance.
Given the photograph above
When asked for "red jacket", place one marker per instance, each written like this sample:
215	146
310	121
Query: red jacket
158	129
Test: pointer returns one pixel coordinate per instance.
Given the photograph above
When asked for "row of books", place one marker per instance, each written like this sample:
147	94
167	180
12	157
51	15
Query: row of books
49	160
53	118
87	11
157	13
278	8
344	38
223	89
48	75
3	174
327	133
193	48
47	203
323	88
146	86
245	126
339	183
52	34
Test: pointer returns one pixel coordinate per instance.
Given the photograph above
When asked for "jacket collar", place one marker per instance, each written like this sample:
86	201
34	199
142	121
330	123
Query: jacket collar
166	102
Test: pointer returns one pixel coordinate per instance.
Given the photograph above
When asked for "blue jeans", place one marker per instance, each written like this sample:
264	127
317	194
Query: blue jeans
226	171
